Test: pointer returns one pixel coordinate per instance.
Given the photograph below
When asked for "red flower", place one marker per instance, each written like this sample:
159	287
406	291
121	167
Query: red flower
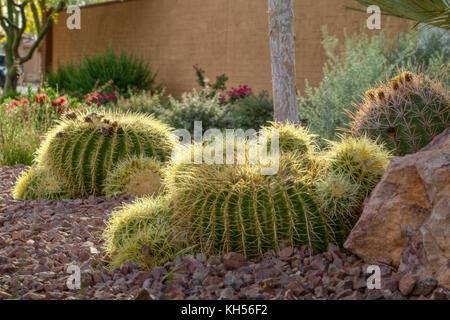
60	102
41	98
24	101
14	103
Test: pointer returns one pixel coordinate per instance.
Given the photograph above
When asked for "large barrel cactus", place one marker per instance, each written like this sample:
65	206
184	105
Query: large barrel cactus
406	114
83	148
235	208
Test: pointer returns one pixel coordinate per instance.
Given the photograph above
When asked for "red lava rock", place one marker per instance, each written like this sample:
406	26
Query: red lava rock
286	253
4	295
233	261
158	272
406	284
212	280
359	283
141	276
424	287
355	295
296	288
39	239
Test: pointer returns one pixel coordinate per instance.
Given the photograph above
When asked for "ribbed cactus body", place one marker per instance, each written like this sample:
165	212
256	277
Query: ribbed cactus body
292	137
142	232
37	183
339	199
405	114
135	176
83	148
227	208
361	159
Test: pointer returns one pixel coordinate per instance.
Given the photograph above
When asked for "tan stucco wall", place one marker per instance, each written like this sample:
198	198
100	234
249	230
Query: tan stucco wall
222	36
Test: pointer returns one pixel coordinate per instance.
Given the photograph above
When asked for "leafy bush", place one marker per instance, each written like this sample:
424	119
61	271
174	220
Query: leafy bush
143	102
360	66
125	71
194	106
251	112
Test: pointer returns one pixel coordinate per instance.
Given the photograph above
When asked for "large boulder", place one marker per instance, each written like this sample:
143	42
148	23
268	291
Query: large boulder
407	217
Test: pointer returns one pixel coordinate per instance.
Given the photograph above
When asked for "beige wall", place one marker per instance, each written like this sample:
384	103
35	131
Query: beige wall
31	68
222	36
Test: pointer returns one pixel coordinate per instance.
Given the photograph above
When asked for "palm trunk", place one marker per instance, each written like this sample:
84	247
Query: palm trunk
281	34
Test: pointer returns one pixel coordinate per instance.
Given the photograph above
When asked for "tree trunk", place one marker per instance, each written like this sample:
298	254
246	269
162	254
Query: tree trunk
11	78
281	34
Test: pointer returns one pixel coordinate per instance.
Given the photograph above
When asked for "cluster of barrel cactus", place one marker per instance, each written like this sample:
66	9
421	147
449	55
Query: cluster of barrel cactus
82	148
405	114
229	207
314	198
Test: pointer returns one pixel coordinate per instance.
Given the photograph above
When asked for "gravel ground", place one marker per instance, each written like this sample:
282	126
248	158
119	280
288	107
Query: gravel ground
40	239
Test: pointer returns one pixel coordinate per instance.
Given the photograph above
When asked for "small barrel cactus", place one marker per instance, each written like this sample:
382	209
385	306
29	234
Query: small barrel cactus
82	148
298	150
361	159
405	114
235	208
142	232
135	176
292	137
339	199
37	183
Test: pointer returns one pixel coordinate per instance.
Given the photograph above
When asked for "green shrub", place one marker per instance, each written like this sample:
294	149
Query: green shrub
125	71
251	112
405	114
360	66
142	102
194	106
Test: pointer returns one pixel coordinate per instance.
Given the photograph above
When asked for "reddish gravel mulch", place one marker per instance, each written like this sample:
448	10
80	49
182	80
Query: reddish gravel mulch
40	239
